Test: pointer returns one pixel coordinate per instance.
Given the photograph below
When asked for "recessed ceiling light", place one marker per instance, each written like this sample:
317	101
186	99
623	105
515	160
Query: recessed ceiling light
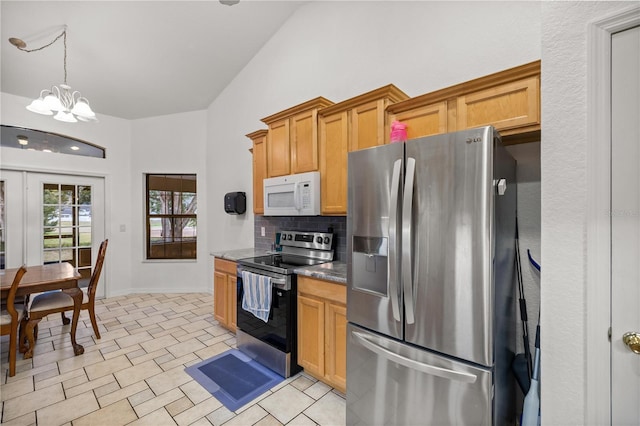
23	140
74	148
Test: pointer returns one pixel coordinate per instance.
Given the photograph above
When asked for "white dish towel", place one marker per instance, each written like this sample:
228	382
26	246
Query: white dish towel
257	294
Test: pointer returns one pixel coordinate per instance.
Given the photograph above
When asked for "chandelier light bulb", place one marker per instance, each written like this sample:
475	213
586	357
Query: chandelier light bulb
53	103
39	107
82	109
67	117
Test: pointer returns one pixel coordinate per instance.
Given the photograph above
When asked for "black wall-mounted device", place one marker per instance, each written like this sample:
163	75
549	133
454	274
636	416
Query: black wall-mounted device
235	202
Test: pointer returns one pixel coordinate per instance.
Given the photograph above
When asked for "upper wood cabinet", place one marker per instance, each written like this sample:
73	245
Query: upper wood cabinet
511	107
354	124
292	139
423	120
334	146
508	100
259	150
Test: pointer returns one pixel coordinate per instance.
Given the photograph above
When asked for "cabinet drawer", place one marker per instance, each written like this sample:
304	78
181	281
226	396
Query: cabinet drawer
224	265
323	289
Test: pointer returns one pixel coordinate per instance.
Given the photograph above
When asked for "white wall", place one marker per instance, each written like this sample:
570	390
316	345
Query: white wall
168	144
564	206
341	49
112	133
132	149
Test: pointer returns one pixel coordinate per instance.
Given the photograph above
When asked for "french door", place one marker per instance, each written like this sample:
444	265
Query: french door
53	218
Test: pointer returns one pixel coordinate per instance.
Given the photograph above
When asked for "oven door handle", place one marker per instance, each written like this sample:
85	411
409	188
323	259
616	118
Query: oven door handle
278	281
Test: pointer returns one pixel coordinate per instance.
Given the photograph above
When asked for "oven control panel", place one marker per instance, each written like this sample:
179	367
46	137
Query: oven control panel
309	240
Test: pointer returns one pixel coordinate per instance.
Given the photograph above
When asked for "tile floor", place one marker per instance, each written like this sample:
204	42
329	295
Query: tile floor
134	375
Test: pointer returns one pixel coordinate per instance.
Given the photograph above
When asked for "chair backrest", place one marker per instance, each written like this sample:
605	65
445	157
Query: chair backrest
12	293
97	269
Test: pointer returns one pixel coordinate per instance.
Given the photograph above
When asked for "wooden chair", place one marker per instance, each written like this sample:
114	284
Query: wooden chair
57	301
9	319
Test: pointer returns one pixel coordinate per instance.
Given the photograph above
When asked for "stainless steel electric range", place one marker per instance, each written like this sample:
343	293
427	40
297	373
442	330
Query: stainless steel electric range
274	343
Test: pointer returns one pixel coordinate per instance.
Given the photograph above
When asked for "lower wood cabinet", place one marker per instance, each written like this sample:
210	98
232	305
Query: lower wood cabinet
225	293
322	330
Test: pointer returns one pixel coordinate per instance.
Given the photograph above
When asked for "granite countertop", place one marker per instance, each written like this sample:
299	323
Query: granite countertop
332	271
237	254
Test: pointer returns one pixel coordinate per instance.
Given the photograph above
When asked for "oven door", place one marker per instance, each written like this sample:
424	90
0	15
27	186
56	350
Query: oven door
280	329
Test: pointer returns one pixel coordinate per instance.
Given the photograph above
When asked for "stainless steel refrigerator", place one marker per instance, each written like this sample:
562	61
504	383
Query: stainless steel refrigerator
431	285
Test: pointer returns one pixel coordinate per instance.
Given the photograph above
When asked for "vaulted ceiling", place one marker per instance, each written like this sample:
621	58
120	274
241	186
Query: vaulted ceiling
135	59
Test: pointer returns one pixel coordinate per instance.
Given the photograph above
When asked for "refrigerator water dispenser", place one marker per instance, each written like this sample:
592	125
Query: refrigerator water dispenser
370	264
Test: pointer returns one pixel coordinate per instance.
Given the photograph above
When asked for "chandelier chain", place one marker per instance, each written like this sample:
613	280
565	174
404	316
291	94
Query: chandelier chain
64	40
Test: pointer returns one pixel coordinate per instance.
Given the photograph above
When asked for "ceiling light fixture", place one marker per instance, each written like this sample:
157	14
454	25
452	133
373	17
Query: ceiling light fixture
69	106
23	140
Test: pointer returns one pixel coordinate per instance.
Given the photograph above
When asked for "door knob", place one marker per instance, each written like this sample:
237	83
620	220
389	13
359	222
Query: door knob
632	340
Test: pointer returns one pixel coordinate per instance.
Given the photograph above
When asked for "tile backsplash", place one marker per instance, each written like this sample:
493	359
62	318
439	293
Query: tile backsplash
273	224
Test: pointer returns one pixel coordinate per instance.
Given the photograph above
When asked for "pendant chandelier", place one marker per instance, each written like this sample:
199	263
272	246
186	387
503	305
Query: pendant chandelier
67	105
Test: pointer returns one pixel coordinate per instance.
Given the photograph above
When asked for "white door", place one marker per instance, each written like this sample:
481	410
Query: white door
12	199
65	221
625	225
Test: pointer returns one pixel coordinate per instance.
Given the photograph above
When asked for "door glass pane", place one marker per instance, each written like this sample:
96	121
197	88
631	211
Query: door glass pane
67	225
51	195
85	236
84	195
51	256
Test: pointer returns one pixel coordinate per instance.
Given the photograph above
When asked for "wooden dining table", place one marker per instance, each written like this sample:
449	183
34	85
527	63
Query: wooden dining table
41	278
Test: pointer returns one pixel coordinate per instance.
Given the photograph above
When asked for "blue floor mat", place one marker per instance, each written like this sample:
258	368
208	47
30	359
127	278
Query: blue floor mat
233	378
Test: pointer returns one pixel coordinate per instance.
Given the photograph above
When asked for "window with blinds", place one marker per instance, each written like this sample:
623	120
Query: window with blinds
171	210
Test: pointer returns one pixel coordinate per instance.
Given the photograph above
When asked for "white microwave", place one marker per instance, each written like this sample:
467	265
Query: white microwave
292	195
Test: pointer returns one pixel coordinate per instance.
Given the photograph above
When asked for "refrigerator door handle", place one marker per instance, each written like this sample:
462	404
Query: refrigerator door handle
445	373
407	270
393	241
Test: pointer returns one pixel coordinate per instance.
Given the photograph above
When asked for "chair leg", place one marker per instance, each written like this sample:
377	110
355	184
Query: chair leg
29	331
12	349
22	337
92	316
65	320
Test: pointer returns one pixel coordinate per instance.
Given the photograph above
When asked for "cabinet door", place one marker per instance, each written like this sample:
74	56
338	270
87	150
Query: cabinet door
304	142
425	120
278	151
232	296
334	139
259	173
311	335
220	297
367	126
509	105
336	346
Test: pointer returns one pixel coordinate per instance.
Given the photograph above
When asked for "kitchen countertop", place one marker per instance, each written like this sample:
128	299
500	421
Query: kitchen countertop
332	271
237	254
